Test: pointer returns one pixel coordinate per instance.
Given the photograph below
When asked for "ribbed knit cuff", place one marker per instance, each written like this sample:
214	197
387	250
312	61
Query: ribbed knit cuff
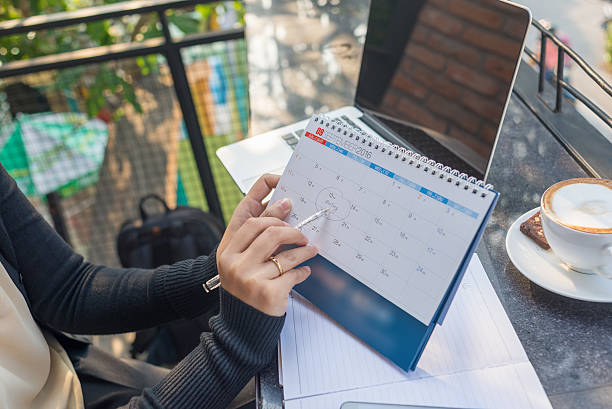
242	343
180	285
254	331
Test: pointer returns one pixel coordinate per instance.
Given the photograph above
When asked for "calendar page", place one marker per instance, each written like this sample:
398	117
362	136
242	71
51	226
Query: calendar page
399	223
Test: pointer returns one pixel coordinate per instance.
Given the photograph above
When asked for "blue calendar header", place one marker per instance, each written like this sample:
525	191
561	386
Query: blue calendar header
400	179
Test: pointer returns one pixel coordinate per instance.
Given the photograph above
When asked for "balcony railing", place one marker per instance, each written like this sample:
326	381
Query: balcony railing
173	52
586	144
563	51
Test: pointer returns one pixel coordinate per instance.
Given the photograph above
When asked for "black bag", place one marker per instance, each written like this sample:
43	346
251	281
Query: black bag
155	240
175	235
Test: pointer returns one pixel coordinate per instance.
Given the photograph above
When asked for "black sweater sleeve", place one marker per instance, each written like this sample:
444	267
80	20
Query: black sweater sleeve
242	342
74	296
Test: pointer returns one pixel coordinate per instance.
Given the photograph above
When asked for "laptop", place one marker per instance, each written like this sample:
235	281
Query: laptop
435	78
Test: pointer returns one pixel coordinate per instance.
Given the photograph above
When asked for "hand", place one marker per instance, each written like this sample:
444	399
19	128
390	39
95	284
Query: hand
252	206
242	255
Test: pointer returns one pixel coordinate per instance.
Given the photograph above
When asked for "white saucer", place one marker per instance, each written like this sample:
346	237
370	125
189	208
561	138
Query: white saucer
546	270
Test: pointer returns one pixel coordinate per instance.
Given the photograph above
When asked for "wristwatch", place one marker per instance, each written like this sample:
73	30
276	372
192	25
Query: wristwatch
211	284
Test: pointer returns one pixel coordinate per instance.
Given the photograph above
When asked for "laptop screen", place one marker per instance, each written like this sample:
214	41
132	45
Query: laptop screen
446	66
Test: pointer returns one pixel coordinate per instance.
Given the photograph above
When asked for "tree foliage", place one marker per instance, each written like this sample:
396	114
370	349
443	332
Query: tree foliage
103	86
608	54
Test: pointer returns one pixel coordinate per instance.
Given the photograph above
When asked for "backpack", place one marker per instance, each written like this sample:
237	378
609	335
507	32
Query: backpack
166	238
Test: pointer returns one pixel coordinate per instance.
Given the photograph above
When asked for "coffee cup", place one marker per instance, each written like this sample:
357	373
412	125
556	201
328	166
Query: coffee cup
577	222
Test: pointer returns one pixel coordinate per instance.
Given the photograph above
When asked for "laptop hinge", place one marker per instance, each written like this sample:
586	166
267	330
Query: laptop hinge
384	131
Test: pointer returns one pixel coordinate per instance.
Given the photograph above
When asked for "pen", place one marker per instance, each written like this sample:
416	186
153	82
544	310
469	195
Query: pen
312	218
215	282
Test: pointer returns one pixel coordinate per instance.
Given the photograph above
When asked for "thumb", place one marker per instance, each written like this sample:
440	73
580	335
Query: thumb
292	278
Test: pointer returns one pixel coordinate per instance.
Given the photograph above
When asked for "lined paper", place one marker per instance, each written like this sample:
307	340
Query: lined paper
508	387
475	357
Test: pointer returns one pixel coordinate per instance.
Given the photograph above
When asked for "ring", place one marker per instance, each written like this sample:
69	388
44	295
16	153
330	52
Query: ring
278	265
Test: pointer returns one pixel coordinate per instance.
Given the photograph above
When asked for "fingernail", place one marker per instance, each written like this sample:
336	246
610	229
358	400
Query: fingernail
315	249
285	204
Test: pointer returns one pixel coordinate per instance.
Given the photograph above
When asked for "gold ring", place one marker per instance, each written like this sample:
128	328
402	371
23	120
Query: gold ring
278	265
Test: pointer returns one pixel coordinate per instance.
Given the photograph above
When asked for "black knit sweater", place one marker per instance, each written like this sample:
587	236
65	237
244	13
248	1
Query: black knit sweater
68	294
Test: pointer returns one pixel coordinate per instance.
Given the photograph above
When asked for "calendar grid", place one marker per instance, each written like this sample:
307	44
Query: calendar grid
398	204
360	249
391	232
358	184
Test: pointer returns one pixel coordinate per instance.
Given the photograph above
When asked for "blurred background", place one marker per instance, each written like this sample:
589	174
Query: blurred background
87	142
132	139
586	26
138	143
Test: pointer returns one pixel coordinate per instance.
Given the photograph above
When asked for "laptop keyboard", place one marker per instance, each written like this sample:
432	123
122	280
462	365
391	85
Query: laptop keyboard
291	139
428	146
351	123
416	139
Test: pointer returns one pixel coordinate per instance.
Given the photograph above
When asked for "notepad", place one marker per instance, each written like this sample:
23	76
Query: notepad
474	360
396	241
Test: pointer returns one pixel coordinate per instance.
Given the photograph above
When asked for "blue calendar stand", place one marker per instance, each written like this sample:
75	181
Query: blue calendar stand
388	329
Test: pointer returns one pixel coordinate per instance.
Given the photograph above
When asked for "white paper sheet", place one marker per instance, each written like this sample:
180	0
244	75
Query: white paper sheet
513	386
475	356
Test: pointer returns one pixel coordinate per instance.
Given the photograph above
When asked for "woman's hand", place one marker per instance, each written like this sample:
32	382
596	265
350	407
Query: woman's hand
251	206
251	238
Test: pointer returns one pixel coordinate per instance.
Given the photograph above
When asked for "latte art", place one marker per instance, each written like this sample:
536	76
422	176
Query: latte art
582	204
595	207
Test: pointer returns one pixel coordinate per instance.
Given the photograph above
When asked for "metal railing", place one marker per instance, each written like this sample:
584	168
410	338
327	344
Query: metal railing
558	78
165	45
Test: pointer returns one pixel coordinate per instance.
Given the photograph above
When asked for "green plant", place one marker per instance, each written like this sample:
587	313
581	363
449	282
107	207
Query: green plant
608	28
104	86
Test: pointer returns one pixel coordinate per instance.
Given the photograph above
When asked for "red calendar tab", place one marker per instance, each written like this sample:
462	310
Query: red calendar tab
316	138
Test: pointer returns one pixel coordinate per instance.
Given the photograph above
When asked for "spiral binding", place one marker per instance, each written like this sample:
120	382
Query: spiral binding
411	158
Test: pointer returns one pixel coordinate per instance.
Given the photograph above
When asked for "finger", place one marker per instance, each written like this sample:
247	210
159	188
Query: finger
263	187
245	209
271	238
279	209
250	230
250	207
289	259
291	278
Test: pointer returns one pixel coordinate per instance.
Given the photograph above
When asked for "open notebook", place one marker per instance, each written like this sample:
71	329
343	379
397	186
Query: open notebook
474	360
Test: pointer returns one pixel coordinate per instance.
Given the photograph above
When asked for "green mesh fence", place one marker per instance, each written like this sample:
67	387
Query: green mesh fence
145	148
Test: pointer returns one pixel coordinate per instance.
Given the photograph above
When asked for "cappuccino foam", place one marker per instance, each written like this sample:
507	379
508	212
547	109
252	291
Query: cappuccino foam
583	206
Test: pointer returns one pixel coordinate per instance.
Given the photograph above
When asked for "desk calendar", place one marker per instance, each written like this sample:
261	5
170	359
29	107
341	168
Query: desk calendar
398	236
